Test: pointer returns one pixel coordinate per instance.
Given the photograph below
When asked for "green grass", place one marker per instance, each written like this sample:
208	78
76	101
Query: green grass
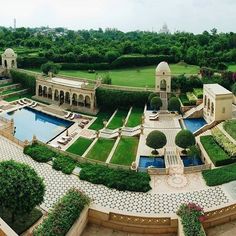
121	155
232	67
101	116
220	175
101	149
135	117
22	223
217	155
198	92
118	119
7	84
16	97
230	128
10	91
184	99
134	77
80	146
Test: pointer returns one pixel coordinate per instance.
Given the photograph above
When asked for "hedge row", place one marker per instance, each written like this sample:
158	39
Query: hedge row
30	61
63	215
110	98
85	66
116	178
26	80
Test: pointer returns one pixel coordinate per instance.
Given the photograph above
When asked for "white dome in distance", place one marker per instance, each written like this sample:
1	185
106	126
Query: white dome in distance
9	53
163	67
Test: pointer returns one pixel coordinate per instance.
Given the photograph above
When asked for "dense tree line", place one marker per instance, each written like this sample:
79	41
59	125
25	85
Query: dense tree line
106	46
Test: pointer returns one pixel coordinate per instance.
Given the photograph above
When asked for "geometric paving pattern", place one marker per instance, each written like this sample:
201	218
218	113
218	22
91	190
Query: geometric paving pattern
58	183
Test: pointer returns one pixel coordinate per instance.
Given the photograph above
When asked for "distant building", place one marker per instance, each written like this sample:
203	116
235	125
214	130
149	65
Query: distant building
164	29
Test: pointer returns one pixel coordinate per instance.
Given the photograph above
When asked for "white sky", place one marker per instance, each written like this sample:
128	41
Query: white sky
126	15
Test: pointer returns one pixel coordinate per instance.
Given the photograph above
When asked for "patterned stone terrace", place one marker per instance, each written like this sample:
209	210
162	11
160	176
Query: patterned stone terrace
164	203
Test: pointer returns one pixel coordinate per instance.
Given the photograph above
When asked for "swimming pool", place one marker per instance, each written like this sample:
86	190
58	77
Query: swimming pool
191	161
145	162
29	122
193	124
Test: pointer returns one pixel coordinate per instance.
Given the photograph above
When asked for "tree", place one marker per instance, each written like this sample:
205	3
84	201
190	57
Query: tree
185	139
21	189
156	103
156	139
106	79
174	104
50	67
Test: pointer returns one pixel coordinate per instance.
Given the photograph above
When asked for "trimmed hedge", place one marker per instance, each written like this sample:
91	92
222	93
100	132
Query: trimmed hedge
191	98
26	80
39	152
218	156
110	98
220	175
63	215
85	66
64	164
184	100
116	178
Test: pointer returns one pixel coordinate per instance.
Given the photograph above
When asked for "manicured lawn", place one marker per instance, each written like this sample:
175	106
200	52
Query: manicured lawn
135	117
220	175
16	97
10	91
230	127
217	155
117	120
232	68
183	98
22	223
4	85
134	77
101	116
80	146
126	151
101	150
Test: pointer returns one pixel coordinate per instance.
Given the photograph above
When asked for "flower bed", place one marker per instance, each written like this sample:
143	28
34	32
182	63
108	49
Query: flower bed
191	217
191	97
217	155
63	215
224	142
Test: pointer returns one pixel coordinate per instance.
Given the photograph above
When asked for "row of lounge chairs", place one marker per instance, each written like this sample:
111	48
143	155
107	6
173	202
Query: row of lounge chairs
72	116
22	102
154	116
64	140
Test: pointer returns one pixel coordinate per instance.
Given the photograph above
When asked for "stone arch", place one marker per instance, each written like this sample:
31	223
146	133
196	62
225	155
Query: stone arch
13	63
62	97
87	101
208	104
5	63
56	95
45	91
67	97
40	90
81	100
50	93
74	99
163	85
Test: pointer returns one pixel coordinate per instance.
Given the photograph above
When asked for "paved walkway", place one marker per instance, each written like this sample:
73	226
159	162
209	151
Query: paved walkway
126	202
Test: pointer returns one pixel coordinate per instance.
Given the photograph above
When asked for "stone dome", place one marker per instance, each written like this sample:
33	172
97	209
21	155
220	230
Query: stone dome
163	67
9	53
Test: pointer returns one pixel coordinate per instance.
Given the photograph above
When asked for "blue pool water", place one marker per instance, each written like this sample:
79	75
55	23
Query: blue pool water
193	124
29	122
191	161
146	161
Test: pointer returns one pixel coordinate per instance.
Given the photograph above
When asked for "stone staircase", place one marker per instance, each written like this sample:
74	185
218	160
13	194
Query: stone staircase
173	161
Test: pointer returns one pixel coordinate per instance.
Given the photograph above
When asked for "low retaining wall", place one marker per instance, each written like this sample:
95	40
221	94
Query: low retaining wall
12	86
5	81
23	91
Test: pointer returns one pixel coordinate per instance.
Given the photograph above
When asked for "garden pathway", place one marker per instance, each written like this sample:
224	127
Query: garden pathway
150	203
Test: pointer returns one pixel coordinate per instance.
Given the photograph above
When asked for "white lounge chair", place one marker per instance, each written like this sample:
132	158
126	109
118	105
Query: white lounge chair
35	104
55	145
23	100
67	115
62	141
156	117
31	104
20	103
73	116
68	138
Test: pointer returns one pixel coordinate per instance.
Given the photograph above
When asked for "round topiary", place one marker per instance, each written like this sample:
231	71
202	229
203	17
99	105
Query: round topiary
156	103
151	95
21	189
156	139
185	139
174	104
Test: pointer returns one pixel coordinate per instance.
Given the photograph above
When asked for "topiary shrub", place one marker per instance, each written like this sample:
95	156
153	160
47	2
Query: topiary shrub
174	104
152	95
156	139
185	139
21	189
155	103
64	163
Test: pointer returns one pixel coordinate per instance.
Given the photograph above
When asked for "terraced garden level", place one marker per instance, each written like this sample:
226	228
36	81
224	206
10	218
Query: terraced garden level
135	117
118	120
80	146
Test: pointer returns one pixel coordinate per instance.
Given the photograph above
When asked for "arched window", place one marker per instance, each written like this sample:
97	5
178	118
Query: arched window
74	99
5	63
40	90
45	90
56	95
61	97
87	101
81	100
13	63
205	101
50	93
212	108
67	97
208	104
163	85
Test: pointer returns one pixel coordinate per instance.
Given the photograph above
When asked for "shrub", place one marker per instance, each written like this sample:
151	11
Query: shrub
156	103
191	97
65	212
198	92
106	79
156	139
185	139
110	98
39	152
26	80
152	95
174	104
191	217
183	98
224	142
50	67
220	175
116	178
217	155
21	189
64	163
